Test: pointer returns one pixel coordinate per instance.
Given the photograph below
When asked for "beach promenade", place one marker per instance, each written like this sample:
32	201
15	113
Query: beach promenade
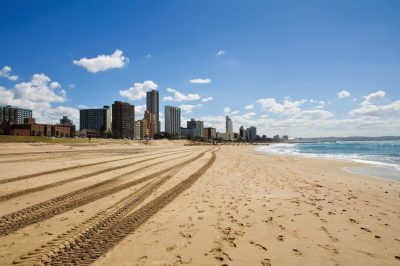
125	203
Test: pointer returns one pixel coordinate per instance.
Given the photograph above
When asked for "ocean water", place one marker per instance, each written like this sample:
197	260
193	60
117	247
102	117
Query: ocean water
381	158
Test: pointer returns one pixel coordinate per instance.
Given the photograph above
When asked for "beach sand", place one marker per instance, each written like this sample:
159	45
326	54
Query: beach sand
169	204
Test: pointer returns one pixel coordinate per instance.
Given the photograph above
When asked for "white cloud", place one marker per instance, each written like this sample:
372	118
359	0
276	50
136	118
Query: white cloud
343	94
188	108
287	108
55	85
319	104
83	106
217	122
293	108
249	107
227	110
5	73
180	97
316	113
148	56
221	53
235	112
200	81
40	90
139	111
138	90
39	95
103	62
207	99
373	98
246	119
370	107
384	111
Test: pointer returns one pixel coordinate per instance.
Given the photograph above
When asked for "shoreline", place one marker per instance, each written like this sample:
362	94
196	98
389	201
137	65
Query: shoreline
381	170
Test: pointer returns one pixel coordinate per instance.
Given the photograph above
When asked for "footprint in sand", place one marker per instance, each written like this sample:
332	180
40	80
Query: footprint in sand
261	247
186	235
142	260
266	262
170	248
365	229
281	238
297	252
353	221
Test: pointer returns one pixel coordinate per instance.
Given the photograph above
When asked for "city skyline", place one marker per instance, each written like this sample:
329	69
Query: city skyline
312	70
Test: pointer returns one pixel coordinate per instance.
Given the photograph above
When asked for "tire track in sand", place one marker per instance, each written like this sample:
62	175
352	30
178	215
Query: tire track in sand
28	176
101	221
90	246
14	221
65	181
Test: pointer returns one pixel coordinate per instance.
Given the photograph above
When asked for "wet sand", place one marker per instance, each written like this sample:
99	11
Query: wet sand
169	204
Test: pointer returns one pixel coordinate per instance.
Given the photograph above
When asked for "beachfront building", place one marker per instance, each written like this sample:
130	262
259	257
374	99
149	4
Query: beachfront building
151	124
123	120
63	131
96	121
31	128
137	130
12	114
247	134
173	120
229	128
152	106
209	133
251	133
144	131
220	135
184	132
242	133
195	128
66	121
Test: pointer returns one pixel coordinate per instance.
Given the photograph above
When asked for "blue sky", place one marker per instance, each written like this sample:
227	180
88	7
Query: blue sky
278	65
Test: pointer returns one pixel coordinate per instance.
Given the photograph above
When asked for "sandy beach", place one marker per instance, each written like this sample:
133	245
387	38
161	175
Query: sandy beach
168	204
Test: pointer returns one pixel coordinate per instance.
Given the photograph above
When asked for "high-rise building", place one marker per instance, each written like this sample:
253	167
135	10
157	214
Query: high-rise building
252	133
152	105
209	133
14	114
66	121
144	131
229	128
173	120
150	124
123	120
195	128
96	118
242	133
137	129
